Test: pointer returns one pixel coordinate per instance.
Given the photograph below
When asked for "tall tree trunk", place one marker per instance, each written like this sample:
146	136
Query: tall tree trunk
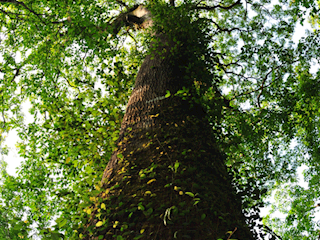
166	179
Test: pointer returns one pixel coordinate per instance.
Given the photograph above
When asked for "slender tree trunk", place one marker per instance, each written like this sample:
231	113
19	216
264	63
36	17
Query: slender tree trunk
166	179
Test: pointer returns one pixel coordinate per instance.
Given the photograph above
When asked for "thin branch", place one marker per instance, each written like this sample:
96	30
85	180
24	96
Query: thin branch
269	230
210	8
136	43
11	13
61	21
225	66
16	74
263	82
246	13
17	15
4	118
74	87
241	76
225	29
267	10
25	6
252	91
232	233
122	3
13	78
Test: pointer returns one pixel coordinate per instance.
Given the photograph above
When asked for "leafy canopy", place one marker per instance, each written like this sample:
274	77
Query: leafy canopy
66	60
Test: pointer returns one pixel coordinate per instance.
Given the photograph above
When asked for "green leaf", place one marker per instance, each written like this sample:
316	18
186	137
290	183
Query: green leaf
176	165
190	194
62	223
138	237
99	224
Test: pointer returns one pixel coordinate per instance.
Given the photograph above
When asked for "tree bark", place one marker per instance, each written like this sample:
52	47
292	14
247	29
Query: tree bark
167	178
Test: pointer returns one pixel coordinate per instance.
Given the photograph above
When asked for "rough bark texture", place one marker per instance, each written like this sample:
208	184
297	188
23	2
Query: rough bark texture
167	179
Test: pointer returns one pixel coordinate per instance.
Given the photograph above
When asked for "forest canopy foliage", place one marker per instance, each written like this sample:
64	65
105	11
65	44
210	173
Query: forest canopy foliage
77	68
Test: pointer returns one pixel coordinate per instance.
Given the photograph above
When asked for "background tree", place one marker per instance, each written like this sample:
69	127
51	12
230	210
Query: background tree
76	62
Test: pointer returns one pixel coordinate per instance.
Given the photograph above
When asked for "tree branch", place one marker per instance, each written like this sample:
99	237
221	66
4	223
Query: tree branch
241	76
122	3
15	14
210	8
269	230
16	74
23	5
226	29
137	17
3	117
263	86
